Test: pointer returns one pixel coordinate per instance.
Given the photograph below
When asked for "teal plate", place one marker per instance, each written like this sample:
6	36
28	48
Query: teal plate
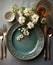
29	47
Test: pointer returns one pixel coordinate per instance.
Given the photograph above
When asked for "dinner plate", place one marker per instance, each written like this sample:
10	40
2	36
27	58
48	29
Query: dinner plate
27	48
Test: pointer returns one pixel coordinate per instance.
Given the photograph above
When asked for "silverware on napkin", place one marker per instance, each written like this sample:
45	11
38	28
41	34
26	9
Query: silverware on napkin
4	40
1	44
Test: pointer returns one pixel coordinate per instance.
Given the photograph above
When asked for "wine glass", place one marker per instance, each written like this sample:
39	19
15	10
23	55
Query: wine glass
43	8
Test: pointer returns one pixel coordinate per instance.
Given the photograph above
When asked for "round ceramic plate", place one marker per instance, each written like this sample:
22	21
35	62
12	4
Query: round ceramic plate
27	48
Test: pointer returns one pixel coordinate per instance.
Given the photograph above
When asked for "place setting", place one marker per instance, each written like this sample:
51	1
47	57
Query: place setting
29	35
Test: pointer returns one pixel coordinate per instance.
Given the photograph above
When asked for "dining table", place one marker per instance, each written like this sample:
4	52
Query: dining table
5	5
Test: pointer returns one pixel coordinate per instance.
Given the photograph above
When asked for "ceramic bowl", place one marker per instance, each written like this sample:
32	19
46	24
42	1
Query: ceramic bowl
9	16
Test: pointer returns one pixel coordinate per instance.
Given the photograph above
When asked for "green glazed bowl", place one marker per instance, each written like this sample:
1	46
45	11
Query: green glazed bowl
27	48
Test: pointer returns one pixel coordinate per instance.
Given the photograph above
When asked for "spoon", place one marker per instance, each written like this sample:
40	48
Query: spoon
4	40
49	33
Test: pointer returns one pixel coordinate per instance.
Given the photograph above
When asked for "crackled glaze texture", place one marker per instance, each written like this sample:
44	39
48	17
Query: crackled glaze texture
18	48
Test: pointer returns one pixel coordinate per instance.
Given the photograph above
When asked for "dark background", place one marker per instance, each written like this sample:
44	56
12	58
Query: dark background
10	60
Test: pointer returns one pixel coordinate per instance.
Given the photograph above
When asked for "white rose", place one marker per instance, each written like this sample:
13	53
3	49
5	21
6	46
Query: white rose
26	33
23	29
20	37
30	25
21	20
35	18
43	21
19	29
28	12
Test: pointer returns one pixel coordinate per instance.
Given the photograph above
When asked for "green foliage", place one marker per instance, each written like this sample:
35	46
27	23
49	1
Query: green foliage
15	8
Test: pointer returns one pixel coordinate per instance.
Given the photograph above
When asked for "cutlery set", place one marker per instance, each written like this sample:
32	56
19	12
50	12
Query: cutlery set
48	33
3	45
44	9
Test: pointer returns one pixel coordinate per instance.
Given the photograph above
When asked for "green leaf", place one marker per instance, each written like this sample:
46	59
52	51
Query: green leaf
23	8
15	8
33	9
39	22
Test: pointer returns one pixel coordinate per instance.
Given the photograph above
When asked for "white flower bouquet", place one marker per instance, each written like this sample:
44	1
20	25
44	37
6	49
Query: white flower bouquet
28	17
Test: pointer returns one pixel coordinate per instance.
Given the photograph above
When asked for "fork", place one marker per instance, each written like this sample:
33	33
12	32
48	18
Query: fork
1	44
4	40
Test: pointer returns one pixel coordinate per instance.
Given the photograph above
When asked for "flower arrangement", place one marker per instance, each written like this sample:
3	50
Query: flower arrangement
28	17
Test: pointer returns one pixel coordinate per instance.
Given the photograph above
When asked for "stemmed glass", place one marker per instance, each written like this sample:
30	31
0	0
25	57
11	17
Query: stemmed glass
44	8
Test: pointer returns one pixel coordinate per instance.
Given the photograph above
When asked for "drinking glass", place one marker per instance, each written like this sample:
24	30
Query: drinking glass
43	8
